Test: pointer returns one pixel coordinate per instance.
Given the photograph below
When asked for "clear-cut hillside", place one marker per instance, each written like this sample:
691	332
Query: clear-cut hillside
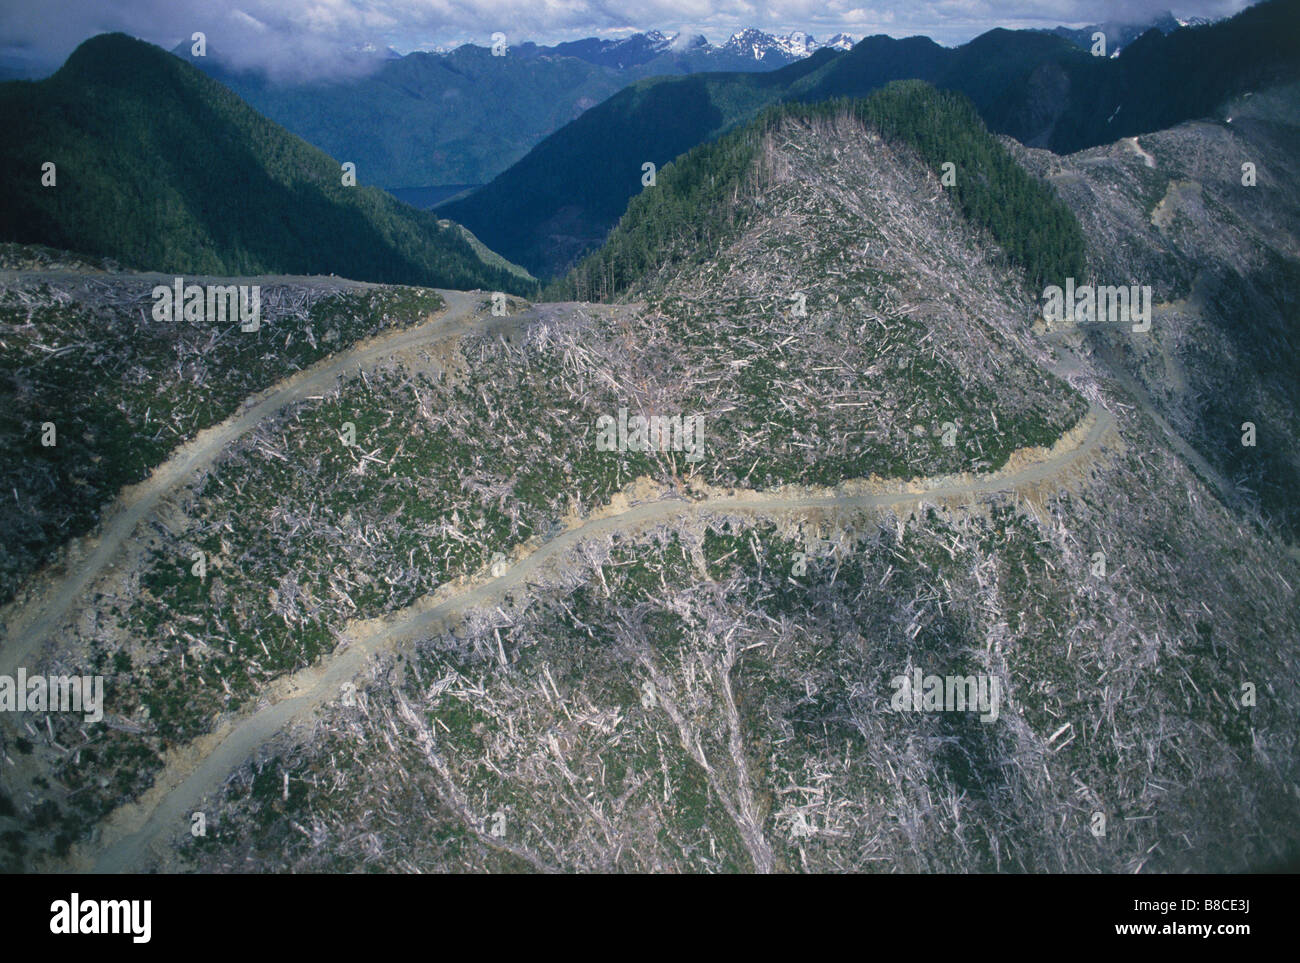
1208	214
689	666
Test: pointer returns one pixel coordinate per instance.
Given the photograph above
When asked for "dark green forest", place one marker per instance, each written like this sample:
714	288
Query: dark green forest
461	117
561	199
161	168
691	210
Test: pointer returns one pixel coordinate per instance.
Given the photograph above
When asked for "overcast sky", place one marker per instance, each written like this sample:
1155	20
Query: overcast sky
292	37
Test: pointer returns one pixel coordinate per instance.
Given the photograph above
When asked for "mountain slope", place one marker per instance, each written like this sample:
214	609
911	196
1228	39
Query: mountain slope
1038	88
156	383
560	200
164	169
463	116
700	190
711	704
689	666
1173	210
1120	34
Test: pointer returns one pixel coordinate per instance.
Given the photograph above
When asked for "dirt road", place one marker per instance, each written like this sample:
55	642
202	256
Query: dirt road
200	770
32	621
194	772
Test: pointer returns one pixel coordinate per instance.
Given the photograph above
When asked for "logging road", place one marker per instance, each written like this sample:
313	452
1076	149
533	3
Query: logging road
200	768
32	621
180	788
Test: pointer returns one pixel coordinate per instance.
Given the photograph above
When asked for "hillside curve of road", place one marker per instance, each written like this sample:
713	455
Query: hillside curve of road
32	621
126	838
180	788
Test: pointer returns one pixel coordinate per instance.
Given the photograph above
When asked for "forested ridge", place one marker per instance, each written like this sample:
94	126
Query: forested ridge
700	198
561	200
164	169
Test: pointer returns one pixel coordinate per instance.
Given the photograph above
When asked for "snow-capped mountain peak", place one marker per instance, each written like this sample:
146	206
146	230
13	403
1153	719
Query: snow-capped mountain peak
796	44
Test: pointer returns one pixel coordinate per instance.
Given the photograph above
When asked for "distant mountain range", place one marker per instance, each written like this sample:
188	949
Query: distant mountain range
1119	34
164	169
562	199
788	47
458	117
461	116
639	49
